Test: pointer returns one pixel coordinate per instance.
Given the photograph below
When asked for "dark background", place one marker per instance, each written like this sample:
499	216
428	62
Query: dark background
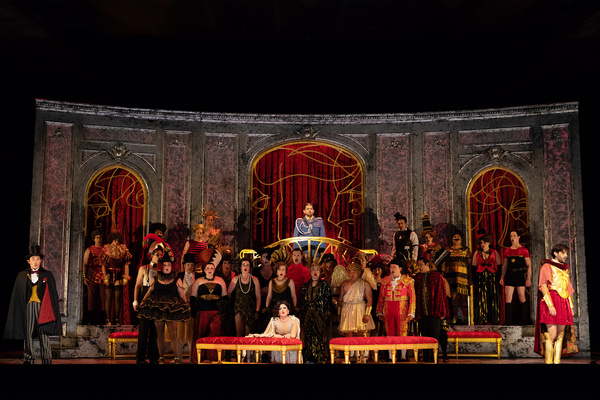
298	57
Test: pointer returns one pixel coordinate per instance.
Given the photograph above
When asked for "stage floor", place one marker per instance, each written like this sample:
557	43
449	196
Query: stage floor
15	358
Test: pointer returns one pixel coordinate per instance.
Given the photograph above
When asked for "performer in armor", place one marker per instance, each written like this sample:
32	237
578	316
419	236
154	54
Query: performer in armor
516	272
406	242
309	225
554	331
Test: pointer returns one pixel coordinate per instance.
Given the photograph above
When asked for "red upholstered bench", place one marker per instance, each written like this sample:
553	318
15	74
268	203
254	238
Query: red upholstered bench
375	343
120	337
249	343
476	337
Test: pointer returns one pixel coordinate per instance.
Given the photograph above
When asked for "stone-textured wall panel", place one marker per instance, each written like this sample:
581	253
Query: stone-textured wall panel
55	229
220	174
393	176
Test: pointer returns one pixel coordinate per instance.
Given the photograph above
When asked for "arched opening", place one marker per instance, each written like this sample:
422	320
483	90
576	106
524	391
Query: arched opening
116	199
497	203
287	176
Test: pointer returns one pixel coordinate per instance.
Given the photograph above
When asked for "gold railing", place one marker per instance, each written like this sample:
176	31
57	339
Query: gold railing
343	252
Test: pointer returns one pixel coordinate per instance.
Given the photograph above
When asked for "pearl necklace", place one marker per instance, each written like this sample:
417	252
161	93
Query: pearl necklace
249	285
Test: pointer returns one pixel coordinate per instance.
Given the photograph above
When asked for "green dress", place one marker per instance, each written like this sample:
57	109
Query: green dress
315	312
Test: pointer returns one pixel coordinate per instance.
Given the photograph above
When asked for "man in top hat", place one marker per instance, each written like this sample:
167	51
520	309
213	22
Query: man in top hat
33	309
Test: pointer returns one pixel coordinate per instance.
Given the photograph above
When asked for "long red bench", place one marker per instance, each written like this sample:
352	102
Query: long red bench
375	343
476	337
257	344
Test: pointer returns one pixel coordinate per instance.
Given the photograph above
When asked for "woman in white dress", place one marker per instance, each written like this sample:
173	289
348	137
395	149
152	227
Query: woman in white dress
283	325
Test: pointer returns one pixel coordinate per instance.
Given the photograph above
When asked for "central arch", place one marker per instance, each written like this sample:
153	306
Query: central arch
286	176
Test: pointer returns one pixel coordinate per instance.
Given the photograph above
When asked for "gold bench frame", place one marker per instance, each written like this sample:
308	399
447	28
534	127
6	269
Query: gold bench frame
112	347
458	340
253	347
346	348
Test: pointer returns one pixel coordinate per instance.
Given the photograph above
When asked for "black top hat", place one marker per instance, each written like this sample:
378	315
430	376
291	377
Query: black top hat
34	250
189	258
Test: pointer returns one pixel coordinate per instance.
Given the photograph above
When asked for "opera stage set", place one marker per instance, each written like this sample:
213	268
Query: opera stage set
106	167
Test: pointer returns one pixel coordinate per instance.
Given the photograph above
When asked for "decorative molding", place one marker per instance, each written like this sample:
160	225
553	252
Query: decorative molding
316	119
307	132
119	152
496	154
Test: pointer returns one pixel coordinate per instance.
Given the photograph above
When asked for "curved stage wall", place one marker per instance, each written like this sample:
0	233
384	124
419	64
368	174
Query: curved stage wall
411	163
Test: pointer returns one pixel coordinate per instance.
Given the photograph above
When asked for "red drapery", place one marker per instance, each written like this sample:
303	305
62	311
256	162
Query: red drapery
286	177
116	201
498	204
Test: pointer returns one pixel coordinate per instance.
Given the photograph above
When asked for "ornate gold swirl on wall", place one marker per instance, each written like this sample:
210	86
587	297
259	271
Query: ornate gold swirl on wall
501	194
110	189
345	177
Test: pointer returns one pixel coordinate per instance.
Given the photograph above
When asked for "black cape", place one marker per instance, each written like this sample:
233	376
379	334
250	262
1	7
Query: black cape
16	322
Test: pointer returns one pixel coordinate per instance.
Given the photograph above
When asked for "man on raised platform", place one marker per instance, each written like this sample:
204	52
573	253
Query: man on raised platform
309	225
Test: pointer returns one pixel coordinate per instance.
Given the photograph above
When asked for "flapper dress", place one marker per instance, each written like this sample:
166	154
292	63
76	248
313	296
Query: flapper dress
281	292
95	264
164	303
245	302
354	307
315	311
487	289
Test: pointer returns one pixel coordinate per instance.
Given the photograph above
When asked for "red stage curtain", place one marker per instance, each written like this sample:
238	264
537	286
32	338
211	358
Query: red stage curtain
116	201
498	204
286	177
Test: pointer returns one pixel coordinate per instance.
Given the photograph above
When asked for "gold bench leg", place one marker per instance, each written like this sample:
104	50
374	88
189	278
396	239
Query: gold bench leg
435	355
346	356
499	346
332	352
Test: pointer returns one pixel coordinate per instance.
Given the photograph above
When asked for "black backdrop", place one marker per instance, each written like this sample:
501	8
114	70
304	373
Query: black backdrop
503	63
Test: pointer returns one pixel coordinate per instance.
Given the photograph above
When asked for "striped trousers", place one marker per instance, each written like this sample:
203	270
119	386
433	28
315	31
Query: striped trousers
33	311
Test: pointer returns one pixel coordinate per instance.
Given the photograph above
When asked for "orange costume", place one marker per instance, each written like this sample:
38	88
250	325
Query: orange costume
396	302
